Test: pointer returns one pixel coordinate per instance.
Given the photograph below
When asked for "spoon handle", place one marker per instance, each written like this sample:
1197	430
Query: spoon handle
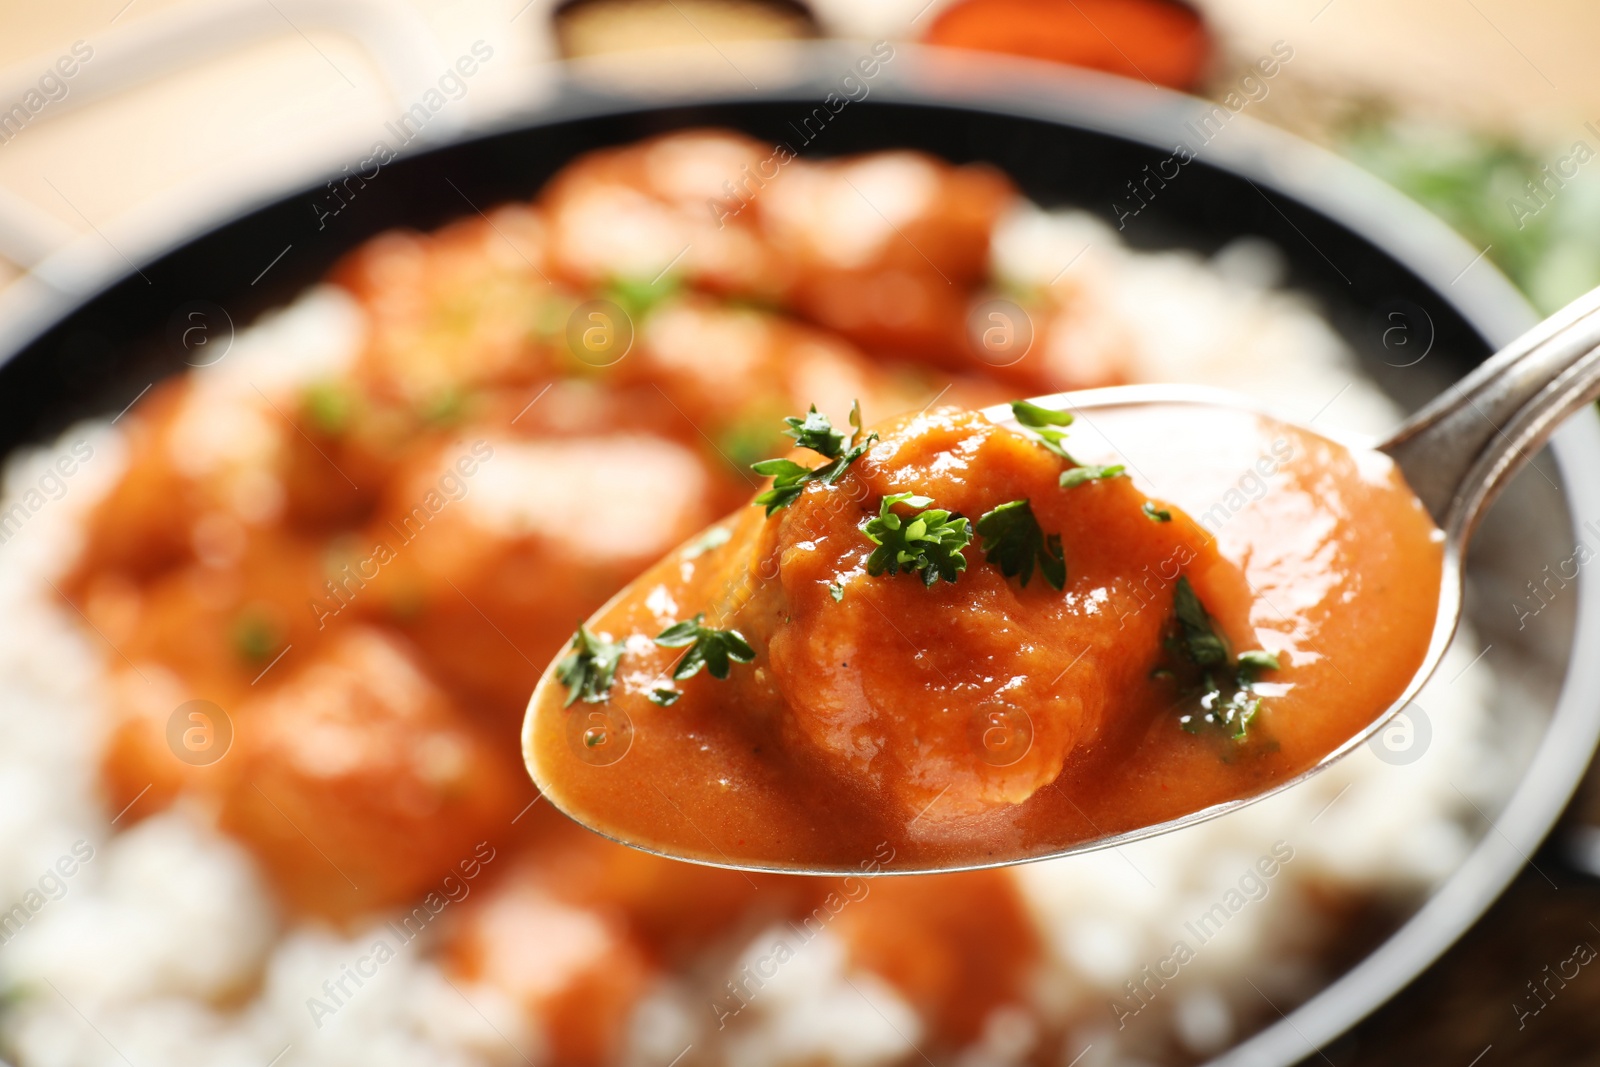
1458	451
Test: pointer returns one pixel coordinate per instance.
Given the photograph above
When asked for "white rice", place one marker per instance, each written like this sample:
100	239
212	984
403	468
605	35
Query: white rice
165	946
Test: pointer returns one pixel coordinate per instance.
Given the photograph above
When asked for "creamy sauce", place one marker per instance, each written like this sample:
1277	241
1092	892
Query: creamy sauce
980	720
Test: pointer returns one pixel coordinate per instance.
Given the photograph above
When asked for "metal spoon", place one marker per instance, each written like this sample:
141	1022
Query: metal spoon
1456	454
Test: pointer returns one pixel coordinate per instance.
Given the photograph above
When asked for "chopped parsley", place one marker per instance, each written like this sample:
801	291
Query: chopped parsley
330	407
590	666
1228	704
1013	542
815	431
637	297
1252	663
1201	640
664	696
929	542
1033	416
445	407
836	590
256	637
749	438
1155	514
1043	422
1078	475
708	648
1050	426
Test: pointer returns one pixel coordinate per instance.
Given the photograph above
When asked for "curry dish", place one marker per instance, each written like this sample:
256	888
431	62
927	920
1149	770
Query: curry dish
364	562
367	570
955	638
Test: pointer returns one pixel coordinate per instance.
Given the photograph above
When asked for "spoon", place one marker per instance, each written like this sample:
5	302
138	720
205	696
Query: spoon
1456	454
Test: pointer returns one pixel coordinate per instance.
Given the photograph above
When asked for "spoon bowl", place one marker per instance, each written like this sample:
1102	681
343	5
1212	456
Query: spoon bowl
1455	454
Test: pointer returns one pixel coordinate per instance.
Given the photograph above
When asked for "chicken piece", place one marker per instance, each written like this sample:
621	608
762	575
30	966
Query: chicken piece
916	708
347	443
1057	318
468	306
670	205
675	910
214	460
358	781
571	966
585	921
147	763
957	946
205	631
193	453
734	373
886	247
1077	343
490	550
883	247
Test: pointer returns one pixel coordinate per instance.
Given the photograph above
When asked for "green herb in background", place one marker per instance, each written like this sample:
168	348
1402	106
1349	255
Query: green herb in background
749	438
1546	238
446	407
329	406
256	638
638	297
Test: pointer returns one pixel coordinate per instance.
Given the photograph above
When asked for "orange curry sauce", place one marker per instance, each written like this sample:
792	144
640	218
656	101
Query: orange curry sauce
979	720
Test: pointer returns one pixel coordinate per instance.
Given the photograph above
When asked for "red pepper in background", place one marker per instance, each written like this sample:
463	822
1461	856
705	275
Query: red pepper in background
1160	41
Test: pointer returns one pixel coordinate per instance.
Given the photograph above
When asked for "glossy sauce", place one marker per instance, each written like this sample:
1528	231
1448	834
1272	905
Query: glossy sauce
980	720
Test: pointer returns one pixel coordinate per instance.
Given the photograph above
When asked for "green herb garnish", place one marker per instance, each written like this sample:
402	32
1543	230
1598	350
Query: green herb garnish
708	648
256	637
1155	514
1043	422
1228	705
1202	641
836	590
330	407
815	431
1233	713
1033	416
1013	541
637	297
1078	475
929	542
665	697
445	407
590	666
1252	663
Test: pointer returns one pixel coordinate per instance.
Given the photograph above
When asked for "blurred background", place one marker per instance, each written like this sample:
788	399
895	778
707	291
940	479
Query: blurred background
1461	103
118	116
